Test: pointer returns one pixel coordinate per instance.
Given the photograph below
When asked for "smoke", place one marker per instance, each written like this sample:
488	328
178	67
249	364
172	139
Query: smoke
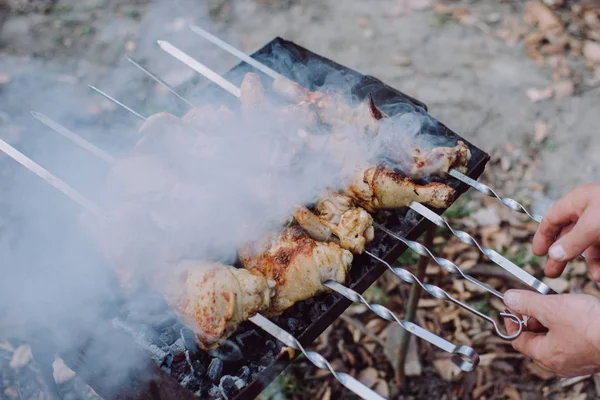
177	191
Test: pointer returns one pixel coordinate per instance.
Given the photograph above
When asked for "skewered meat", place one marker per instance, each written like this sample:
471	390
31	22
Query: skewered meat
352	226
380	188
438	161
332	108
215	298
297	264
252	97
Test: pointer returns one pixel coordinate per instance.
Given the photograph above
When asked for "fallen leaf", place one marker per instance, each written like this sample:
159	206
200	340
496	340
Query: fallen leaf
591	51
369	376
382	388
536	95
447	370
412	364
443	9
540	372
560	285
21	357
538	14
420	5
541	131
62	373
510	393
485	360
363	22
401	61
327	394
563	89
486	217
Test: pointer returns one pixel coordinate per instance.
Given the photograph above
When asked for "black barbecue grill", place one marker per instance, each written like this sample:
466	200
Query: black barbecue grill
252	359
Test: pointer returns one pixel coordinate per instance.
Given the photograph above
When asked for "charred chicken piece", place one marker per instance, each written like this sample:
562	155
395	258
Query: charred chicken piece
332	108
351	227
214	299
381	188
438	161
297	264
253	97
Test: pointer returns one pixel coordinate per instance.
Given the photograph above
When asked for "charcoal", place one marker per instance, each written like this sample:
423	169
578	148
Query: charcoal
215	370
199	368
190	382
267	359
271	345
167	336
243	373
189	339
228	351
230	385
178	347
215	392
251	342
293	325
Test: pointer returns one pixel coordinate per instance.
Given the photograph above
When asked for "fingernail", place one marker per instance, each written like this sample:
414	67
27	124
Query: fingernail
511	298
557	252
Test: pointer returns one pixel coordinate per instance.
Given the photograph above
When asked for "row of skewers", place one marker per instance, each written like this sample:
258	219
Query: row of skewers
313	252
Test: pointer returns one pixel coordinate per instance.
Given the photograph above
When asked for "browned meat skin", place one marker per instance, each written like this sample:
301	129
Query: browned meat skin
380	188
438	161
214	299
352	226
333	108
207	117
297	264
252	97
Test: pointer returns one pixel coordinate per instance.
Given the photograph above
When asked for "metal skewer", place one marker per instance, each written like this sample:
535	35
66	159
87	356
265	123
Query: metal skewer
317	359
441	294
55	182
480	187
464	357
493	255
159	81
446	264
56	127
100	92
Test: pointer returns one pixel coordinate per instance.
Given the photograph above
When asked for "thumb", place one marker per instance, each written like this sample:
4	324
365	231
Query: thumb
531	304
584	234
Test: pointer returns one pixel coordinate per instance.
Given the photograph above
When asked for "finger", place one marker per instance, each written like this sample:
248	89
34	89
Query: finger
533	325
539	306
566	210
592	258
563	212
553	268
530	343
584	234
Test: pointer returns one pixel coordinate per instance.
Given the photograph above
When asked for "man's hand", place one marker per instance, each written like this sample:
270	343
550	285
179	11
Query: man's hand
569	228
571	346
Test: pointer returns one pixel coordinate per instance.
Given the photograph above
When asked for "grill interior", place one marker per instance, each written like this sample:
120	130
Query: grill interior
252	358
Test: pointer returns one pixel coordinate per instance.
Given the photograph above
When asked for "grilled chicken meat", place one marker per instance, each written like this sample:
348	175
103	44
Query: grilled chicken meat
214	299
252	97
380	188
332	108
297	264
351	227
436	162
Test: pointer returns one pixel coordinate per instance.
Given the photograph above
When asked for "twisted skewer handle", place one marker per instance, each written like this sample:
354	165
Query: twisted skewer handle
441	294
488	191
448	265
318	360
493	255
464	357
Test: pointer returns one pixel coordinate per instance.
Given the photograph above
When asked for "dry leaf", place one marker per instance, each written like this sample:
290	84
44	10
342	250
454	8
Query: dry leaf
563	89
420	5
363	22
536	95
537	14
540	372
446	369
541	131
412	364
560	285
327	394
369	376
443	9
510	393
591	51
21	357
486	217
382	388
62	373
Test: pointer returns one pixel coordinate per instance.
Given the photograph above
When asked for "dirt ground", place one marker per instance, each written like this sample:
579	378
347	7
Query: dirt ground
471	77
